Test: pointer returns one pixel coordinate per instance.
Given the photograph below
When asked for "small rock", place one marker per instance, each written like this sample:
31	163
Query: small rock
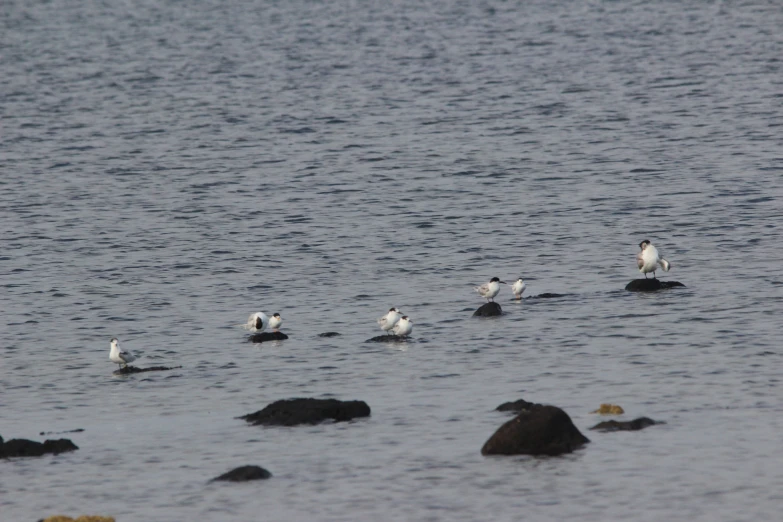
245	473
546	296
634	425
609	409
651	285
83	518
328	334
388	339
516	406
261	337
540	430
31	448
490	309
291	412
127	370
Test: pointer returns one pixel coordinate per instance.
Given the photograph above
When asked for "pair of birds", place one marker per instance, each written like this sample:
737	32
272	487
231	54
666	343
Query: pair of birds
489	290
395	322
258	322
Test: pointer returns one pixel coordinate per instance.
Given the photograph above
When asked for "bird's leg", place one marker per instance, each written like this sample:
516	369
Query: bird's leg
654	274
645	275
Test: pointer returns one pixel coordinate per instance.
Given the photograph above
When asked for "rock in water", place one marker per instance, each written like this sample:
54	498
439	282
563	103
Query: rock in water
516	406
388	339
328	334
31	448
490	309
291	412
126	370
540	430
650	285
245	473
634	425
267	336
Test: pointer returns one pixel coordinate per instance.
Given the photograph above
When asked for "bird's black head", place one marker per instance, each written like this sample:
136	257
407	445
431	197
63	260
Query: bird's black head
644	243
392	309
405	317
275	315
259	322
494	279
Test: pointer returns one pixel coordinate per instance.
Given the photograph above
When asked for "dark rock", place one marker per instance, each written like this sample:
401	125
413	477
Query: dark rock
291	412
328	334
516	406
127	370
650	285
31	448
540	430
634	425
77	430
490	309
388	339
546	296
245	473
261	337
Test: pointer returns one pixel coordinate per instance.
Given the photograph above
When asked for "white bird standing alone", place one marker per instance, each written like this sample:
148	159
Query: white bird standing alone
518	287
388	321
257	322
118	355
275	321
489	290
404	326
648	259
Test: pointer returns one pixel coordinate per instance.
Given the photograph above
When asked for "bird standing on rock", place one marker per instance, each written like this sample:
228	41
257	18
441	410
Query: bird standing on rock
517	288
648	259
388	321
489	290
118	355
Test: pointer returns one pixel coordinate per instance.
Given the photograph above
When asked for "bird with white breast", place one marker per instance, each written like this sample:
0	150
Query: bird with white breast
648	259
118	355
517	287
257	322
489	290
388	321
275	321
404	327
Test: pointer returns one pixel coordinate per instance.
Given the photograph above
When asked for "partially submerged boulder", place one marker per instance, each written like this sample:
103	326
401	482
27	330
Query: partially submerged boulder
83	518
31	448
127	370
539	430
244	473
546	295
491	309
634	425
261	337
516	406
651	285
328	334
389	339
291	412
609	409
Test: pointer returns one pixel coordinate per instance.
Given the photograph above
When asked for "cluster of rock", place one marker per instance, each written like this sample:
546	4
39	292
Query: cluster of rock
31	448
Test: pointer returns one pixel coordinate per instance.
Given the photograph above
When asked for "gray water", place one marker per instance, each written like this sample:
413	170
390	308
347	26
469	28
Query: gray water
169	167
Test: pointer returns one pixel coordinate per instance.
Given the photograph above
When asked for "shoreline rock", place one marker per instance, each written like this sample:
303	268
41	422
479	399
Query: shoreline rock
651	285
261	337
244	474
491	309
31	448
293	412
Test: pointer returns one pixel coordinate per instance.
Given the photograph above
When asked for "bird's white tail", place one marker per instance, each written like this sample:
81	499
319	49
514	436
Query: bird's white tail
665	265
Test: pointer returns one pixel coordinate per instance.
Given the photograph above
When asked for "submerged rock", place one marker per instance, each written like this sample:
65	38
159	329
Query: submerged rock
244	473
388	339
290	412
31	448
328	334
261	337
609	409
516	406
650	285
539	430
490	309
546	295
126	370
83	518
634	425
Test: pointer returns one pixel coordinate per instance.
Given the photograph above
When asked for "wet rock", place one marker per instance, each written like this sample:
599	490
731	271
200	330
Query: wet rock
261	337
245	473
77	430
539	430
328	334
31	448
127	370
546	296
388	339
651	285
83	518
634	425
609	409
516	406
291	412
490	309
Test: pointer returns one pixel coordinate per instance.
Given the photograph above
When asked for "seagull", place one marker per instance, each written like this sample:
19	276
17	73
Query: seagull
518	287
275	321
388	321
118	355
489	290
404	326
257	322
648	259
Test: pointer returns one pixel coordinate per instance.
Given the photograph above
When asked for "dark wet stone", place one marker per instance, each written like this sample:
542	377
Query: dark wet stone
388	339
328	334
546	296
540	430
290	412
77	430
31	448
516	406
245	473
490	309
650	285
261	337
634	425
127	370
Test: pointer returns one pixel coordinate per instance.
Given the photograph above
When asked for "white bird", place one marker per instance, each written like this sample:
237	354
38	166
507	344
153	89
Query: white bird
388	321
257	322
275	321
489	290
518	287
648	259
404	326
118	355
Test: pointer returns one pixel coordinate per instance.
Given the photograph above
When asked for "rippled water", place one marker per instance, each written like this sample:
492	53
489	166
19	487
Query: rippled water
169	167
